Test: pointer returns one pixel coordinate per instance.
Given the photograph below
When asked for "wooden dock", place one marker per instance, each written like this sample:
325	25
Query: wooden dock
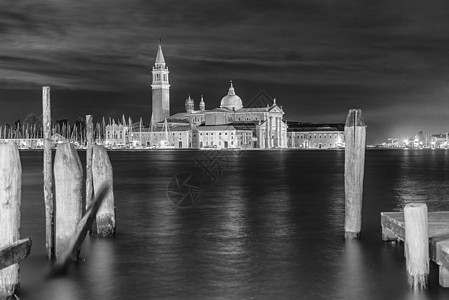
393	228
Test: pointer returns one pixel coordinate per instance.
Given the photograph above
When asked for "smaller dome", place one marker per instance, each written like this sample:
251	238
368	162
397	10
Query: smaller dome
231	101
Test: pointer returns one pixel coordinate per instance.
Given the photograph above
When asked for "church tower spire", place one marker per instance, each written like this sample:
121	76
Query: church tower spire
160	88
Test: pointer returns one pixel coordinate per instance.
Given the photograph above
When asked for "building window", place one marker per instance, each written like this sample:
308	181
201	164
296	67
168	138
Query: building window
320	136
315	135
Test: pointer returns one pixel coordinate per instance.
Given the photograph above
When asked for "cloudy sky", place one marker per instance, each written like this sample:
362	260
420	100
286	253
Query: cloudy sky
317	58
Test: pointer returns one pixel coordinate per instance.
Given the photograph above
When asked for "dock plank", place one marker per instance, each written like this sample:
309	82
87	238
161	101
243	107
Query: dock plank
15	253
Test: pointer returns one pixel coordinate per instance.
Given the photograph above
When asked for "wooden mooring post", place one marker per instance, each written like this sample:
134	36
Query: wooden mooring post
89	152
103	176
48	174
355	138
10	200
417	245
74	244
68	189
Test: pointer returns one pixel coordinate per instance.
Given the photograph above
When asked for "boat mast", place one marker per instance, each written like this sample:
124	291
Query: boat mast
166	130
140	132
151	129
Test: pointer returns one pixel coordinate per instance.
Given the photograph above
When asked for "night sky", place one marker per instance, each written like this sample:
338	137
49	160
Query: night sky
317	58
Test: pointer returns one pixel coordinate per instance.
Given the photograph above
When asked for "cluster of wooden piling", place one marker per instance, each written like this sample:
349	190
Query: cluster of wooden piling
65	224
68	175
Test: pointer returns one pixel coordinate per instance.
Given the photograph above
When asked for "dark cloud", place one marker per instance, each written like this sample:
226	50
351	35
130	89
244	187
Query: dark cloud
318	58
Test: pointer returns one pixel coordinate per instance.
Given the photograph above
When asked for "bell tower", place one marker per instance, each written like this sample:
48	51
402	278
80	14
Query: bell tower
160	88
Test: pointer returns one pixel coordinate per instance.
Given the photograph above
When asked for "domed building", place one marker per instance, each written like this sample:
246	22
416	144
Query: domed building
233	126
231	101
229	126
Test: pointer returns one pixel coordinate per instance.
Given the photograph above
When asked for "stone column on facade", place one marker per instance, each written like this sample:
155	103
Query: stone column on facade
281	135
266	134
279	132
276	128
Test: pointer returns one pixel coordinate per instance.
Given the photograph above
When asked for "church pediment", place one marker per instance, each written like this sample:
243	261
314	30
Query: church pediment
275	108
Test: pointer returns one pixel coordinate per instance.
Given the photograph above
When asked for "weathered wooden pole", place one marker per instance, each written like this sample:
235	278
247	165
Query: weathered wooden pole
89	184
10	198
416	245
355	136
74	244
102	175
69	194
48	174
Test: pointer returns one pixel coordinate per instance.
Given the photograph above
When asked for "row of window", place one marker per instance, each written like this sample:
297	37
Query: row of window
315	136
230	119
315	145
158	77
212	143
113	136
219	133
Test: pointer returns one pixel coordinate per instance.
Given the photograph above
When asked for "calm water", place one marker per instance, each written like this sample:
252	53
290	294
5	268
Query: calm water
270	227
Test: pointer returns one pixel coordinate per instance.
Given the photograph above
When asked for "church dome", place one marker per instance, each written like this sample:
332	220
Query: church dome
231	101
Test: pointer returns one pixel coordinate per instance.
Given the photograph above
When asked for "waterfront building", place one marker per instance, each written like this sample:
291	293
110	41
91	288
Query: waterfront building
158	137
316	136
221	137
422	140
231	125
116	135
440	140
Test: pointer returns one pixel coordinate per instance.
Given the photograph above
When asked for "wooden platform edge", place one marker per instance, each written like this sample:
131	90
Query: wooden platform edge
15	253
392	229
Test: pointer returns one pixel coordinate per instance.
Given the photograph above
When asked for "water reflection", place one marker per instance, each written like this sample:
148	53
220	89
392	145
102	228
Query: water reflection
269	228
102	269
424	178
